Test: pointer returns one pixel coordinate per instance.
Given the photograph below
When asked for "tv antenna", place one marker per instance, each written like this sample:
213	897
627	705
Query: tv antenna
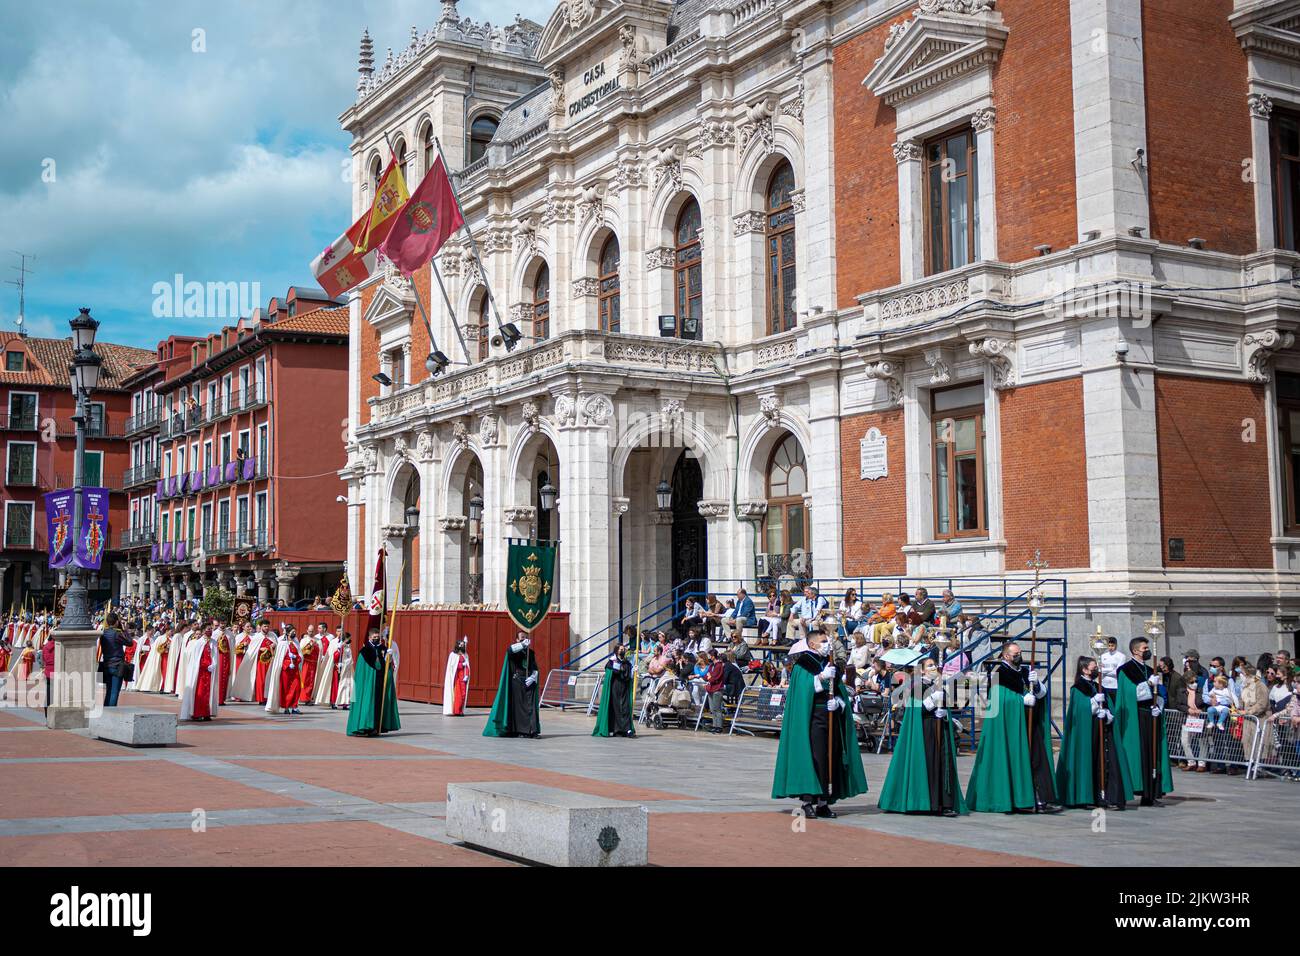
21	282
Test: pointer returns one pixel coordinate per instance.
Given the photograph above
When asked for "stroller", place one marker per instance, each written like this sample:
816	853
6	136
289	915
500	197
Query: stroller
667	703
871	719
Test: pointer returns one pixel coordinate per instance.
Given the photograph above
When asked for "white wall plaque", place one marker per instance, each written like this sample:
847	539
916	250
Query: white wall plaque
874	449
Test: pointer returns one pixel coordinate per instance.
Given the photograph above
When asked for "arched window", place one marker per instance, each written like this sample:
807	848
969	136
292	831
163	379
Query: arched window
427	142
609	299
542	304
376	170
481	132
482	331
780	250
689	301
787	480
403	161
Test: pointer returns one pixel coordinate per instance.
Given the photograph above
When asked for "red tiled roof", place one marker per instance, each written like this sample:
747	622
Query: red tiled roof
318	321
48	360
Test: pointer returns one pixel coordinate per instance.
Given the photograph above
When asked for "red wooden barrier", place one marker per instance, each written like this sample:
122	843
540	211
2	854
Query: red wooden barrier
427	637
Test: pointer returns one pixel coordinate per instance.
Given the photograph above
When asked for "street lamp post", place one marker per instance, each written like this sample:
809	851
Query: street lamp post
74	647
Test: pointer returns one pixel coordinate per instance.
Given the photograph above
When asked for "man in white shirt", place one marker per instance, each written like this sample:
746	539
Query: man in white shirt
806	610
1110	663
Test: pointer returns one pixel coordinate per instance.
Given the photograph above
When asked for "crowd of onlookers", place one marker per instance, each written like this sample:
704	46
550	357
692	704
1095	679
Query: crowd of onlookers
705	659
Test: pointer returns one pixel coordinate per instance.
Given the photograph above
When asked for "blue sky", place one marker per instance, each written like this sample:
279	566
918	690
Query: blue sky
128	157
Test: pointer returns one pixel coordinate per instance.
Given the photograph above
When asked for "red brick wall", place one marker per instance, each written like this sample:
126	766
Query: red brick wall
1034	135
1214	487
1198	126
1044	474
866	176
875	512
1034	140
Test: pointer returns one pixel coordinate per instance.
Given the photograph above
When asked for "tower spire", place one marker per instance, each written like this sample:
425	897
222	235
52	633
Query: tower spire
366	62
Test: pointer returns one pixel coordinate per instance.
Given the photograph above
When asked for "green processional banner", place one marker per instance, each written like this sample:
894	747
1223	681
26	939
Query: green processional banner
530	579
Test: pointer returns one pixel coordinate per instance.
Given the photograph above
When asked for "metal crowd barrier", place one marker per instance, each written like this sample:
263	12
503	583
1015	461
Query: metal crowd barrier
566	689
1277	749
1197	740
759	709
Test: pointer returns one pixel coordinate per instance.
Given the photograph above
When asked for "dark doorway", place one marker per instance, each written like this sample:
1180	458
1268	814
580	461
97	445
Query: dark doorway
690	535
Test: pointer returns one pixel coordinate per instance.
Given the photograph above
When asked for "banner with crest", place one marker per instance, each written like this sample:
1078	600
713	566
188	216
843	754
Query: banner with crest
94	528
58	527
530	581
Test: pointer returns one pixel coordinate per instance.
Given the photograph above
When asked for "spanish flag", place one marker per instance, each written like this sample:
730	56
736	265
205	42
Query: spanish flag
390	197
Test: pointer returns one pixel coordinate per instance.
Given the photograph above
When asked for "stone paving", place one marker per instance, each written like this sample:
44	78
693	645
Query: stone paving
251	789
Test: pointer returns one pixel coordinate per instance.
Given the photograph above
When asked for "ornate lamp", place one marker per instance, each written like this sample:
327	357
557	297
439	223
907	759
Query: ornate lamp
664	495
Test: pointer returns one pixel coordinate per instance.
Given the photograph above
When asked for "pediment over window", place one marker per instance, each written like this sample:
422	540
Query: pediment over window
943	41
1269	28
570	19
390	307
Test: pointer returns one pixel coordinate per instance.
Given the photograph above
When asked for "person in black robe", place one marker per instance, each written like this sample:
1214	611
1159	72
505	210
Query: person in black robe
1023	679
521	674
1139	712
615	716
1089	772
940	745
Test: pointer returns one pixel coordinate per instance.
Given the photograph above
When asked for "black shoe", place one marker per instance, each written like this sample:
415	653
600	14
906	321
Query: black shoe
808	811
1051	808
949	813
825	812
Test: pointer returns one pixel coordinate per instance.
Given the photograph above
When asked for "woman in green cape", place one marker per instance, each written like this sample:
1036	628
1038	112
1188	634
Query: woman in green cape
817	759
517	707
373	689
1140	726
1089	771
614	717
922	774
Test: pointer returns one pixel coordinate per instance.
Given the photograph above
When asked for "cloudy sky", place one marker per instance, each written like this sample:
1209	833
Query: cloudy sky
128	157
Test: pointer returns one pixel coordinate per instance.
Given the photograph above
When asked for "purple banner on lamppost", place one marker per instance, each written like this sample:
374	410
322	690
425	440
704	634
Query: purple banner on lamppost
58	527
94	528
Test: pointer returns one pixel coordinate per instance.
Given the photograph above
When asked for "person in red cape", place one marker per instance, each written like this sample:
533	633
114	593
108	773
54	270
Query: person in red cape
285	691
311	649
265	655
226	653
241	644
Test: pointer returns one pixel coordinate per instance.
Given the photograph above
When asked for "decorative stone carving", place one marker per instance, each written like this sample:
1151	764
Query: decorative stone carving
424	446
557	91
597	410
487	430
906	151
999	353
565	411
525	237
498	240
628	174
661	258
751	510
798	201
671	413
394	279
449	263
940	363
668	165
983	120
663	519
620	506
460	434
590	204
400	447
521	314
794	106
586	286
716	133
758	127
524	514
628	59
891	374
967	7
1261	105
580	13
452	524
556	210
925	300
532	416
714	509
1260	347
751	223
370	456
770	407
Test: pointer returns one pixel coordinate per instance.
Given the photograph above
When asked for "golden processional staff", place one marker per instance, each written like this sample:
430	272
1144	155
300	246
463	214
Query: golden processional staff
1099	644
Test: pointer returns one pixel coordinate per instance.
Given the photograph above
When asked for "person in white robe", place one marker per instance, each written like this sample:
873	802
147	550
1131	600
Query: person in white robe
344	699
288	655
459	653
190	671
150	677
142	650
328	668
242	687
171	684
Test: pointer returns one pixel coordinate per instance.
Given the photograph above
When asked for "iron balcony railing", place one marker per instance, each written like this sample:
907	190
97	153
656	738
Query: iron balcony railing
140	474
143	421
24	422
237	542
136	538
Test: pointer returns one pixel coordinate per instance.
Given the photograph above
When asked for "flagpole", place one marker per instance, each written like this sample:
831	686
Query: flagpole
433	267
473	243
392	618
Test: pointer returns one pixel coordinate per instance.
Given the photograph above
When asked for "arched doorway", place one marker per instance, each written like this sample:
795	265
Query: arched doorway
785	527
410	543
471	584
690	550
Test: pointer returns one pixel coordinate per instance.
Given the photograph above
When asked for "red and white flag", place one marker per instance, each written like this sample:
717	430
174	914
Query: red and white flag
427	221
378	594
341	267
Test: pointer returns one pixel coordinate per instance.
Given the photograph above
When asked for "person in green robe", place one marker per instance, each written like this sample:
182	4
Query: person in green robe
922	775
374	701
1140	726
1013	761
516	708
817	759
1089	771
614	717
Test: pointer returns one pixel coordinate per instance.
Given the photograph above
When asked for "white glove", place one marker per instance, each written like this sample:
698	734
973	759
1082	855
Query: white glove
940	713
1033	676
1154	680
1155	711
1029	700
1107	715
834	704
828	672
516	648
527	642
530	680
1099	698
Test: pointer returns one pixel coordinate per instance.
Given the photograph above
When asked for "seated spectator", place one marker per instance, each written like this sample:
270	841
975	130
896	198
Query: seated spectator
773	676
876	680
733	680
950	607
744	615
852	613
859	657
692	615
881	623
807	611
